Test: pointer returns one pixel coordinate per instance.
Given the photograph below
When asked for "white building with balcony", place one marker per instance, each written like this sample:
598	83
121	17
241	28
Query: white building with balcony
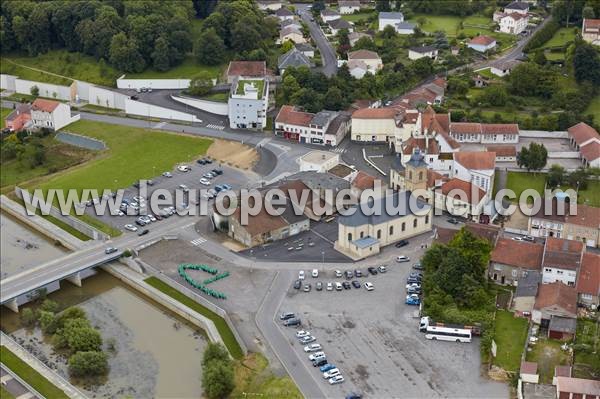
248	102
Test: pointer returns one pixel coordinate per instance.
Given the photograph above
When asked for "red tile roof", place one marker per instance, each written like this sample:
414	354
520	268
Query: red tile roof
473	193
561	253
528	367
375	113
526	255
465	128
591	25
556	294
502	150
476	160
44	105
364	181
289	115
588	216
483	40
588	279
363	55
499	128
578	387
433	177
412	143
590	152
582	132
247	68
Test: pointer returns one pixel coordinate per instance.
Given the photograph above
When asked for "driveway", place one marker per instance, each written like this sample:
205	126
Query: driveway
328	54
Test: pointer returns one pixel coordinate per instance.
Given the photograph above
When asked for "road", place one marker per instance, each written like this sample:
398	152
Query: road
15	385
328	54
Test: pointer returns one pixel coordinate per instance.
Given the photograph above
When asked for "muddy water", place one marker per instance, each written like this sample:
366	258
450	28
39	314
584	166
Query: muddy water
156	353
22	247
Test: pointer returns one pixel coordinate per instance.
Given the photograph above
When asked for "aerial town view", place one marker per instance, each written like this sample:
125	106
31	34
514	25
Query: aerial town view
300	199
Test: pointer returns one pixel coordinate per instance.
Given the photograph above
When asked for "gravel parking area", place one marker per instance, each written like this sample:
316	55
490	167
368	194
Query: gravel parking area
373	338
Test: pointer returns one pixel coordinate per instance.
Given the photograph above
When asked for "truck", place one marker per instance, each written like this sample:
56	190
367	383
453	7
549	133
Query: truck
427	322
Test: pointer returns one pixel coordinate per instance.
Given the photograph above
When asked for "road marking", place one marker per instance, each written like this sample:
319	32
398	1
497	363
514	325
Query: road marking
339	150
159	125
198	241
263	142
187	225
216	127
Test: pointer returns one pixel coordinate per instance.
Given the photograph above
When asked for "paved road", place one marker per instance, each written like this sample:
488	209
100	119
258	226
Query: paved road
328	54
266	321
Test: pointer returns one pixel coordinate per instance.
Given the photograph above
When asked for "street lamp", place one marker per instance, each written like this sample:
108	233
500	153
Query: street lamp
322	260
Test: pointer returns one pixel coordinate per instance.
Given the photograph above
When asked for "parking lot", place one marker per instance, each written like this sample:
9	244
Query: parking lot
234	177
373	338
314	245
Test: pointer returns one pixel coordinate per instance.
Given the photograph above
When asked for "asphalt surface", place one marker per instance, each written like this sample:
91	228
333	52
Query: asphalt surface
13	385
328	54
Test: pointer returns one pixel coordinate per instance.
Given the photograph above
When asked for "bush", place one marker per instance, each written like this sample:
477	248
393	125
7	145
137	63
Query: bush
84	364
80	336
28	317
48	322
542	36
49	306
214	352
217	379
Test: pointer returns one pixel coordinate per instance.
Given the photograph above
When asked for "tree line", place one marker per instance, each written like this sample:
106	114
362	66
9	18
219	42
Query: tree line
131	35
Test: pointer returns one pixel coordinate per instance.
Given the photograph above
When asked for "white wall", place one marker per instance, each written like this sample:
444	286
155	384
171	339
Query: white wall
46	89
214	107
106	98
153	83
544	134
7	82
142	109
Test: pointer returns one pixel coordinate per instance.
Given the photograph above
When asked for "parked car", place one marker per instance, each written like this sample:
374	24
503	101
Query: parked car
307	340
183	168
301	275
518	239
315	273
319	362
402	258
302	333
217	171
401	243
413	290
316	356
226	187
167	174
369	286
204	181
413	285
201	161
372	270
143	232
292	322
356	284
382	269
331	373
528	238
338	379
418	266
415	274
338	273
329	286
412	299
326	367
346	285
297	284
349	274
338	286
208	175
353	395
312	348
358	273
307	287
453	221
286	316
130	227
319	286
110	250
412	280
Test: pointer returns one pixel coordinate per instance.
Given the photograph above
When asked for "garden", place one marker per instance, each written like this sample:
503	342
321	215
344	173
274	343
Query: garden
510	334
586	346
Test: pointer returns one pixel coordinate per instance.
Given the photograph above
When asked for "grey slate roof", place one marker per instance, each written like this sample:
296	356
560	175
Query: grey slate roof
398	204
323	117
423	49
563	324
316	181
288	22
365	242
293	58
305	47
340	24
518	5
391	15
405	25
528	285
417	160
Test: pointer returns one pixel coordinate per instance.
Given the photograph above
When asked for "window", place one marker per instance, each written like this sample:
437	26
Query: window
426	219
410	175
420	175
548	270
391	230
349	237
415	223
378	234
362	234
403	226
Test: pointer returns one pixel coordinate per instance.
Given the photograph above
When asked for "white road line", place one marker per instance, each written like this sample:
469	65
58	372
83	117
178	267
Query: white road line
216	127
339	150
198	241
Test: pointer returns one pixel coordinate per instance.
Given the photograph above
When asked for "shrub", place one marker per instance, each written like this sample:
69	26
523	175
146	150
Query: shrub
84	364
217	379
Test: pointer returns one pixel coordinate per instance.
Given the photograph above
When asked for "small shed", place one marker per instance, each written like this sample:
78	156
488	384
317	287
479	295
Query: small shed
562	328
528	372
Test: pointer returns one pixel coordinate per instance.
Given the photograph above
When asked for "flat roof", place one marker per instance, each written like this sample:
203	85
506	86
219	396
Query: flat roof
318	156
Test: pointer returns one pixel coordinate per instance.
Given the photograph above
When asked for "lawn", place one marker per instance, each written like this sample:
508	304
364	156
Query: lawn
29	375
10	68
359	16
73	65
226	334
594	109
561	37
446	23
520	181
221	97
253	376
591	195
186	70
4	394
4	112
548	354
486	73
586	349
510	335
132	154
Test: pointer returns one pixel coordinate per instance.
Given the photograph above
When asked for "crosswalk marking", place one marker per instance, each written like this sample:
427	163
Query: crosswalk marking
339	150
217	127
198	241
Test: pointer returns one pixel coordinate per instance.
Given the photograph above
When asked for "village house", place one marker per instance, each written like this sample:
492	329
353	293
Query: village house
324	128
414	53
248	103
486	133
246	70
373	124
348	6
390	19
554	299
561	260
328	15
291	32
50	114
504	153
19	118
528	372
477	167
269	5
337	25
306	49
482	43
526	292
290	22
361	62
461	198
293	58
519	7
590	31
567	388
511	261
513	19
504	68
356	36
588	280
283	14
586	140
405	28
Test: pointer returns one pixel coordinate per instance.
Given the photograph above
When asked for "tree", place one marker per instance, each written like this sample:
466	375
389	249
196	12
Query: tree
556	176
533	157
124	54
383	5
586	64
200	85
214	352
588	12
49	306
217	379
365	43
47	322
287	46
245	35
288	88
28	317
35	91
422	67
80	336
84	364
540	57
160	55
579	178
334	99
210	49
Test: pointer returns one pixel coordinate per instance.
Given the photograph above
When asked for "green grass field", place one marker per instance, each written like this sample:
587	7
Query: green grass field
252	375
520	181
221	97
226	334
364	16
445	23
4	113
29	375
8	67
591	195
187	69
561	37
594	109
510	334
132	154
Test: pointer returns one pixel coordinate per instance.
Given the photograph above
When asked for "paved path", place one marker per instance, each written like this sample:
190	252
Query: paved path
328	54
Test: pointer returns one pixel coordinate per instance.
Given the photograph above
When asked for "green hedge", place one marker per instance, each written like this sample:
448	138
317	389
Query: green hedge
29	375
226	334
540	37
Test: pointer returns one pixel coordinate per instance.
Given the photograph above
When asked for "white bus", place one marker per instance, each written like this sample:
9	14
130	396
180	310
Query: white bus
448	334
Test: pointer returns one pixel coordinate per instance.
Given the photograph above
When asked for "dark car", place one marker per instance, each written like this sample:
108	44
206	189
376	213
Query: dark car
416	274
411	280
201	161
292	322
453	221
349	274
208	161
319	362
143	232
134	98
353	395
346	285
286	316
358	273
139	222
356	284
217	171
136	184
319	286
297	284
372	270
401	243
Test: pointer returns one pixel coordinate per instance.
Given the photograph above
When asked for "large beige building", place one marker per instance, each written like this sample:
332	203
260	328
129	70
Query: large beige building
383	125
361	235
